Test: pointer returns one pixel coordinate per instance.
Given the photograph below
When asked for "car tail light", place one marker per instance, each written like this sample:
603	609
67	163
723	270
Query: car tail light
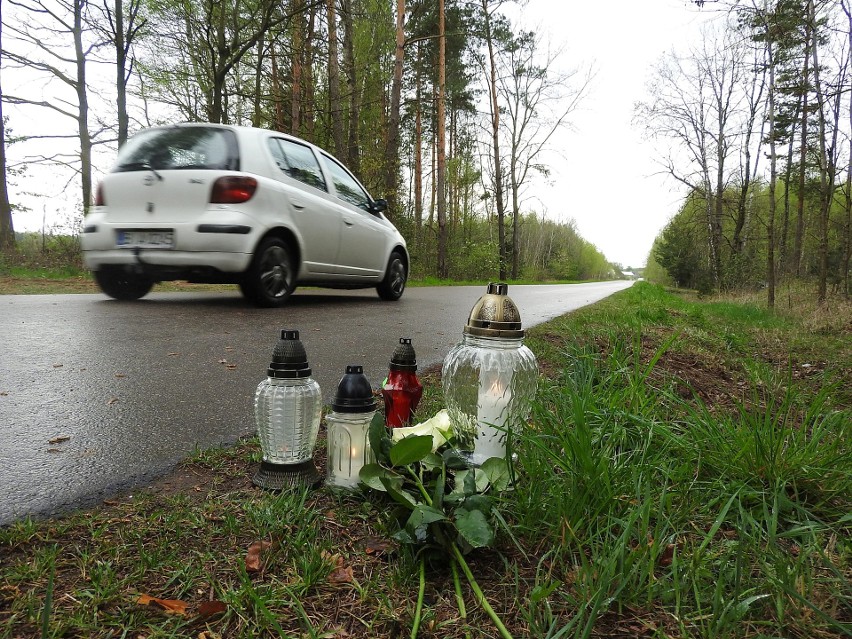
233	189
99	195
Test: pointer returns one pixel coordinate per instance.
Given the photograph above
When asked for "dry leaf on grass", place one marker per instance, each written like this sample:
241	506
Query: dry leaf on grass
179	607
377	546
341	574
60	438
171	606
210	608
253	555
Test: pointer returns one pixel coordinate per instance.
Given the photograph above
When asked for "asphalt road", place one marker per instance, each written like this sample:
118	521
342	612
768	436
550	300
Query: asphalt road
98	396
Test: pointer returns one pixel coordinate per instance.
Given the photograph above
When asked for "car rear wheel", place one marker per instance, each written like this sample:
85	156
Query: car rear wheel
393	285
271	277
121	285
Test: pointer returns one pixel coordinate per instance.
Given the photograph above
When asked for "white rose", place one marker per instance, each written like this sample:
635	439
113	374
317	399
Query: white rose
438	427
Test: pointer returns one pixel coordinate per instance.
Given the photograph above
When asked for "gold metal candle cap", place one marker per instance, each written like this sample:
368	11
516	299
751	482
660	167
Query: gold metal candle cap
495	314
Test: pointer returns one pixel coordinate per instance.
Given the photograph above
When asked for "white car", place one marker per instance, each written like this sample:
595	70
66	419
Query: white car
211	203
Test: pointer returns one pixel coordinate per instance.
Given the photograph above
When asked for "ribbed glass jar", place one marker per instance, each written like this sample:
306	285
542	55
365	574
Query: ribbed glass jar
348	447
489	384
287	414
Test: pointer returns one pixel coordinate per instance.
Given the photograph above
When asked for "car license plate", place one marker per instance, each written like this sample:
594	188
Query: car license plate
151	239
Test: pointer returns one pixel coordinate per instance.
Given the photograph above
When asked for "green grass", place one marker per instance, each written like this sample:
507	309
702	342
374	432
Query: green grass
684	474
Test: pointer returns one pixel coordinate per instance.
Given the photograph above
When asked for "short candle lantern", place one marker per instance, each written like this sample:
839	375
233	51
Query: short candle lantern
287	411
490	377
352	410
402	390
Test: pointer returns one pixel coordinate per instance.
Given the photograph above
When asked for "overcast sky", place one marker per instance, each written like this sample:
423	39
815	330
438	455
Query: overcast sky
602	172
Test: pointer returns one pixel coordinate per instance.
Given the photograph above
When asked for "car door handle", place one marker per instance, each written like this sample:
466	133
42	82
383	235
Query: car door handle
348	222
297	204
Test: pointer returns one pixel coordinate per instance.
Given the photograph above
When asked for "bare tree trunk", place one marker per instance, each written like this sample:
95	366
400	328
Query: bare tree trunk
773	177
296	73
353	154
7	227
516	249
783	257
848	253
392	150
826	165
125	26
798	242
495	142
277	103
418	156
334	82
258	78
443	267
120	71
82	108
308	104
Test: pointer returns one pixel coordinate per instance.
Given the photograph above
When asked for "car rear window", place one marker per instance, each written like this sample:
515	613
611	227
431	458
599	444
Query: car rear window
180	148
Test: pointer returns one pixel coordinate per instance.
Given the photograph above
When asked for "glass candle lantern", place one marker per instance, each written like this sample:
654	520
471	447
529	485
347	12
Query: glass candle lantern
352	410
402	390
287	411
489	378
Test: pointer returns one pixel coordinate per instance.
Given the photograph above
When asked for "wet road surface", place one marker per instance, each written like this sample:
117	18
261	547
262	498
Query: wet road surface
98	396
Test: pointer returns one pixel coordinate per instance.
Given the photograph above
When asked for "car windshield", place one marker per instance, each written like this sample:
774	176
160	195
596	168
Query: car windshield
180	148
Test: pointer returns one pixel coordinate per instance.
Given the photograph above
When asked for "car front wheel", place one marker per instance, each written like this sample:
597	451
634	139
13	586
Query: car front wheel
393	285
121	285
271	277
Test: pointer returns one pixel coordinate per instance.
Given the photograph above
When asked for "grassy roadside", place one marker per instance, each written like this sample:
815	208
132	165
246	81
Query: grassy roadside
686	473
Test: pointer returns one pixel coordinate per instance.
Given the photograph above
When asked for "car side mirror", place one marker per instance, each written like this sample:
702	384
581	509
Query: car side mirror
378	206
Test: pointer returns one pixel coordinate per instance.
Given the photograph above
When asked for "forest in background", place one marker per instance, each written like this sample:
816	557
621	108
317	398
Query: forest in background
422	100
760	115
447	110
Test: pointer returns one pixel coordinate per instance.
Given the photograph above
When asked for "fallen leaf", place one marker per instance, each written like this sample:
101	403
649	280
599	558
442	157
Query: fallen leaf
120	375
223	361
4	394
376	546
60	438
58	365
229	348
54	450
111	401
667	555
210	608
341	576
230	366
253	555
171	606
173	354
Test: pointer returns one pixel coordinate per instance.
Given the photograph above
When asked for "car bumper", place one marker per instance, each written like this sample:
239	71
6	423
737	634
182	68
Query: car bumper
225	247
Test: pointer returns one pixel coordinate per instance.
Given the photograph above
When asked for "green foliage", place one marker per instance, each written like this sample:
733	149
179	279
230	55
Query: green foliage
47	254
652	498
443	504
